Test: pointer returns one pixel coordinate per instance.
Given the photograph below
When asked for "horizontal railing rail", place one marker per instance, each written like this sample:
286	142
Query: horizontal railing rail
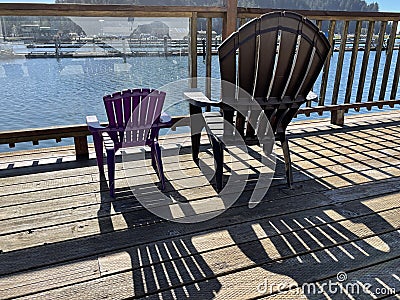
355	82
90	10
115	10
78	132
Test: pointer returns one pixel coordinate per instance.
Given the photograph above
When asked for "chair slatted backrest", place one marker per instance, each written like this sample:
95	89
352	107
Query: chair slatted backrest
133	113
280	56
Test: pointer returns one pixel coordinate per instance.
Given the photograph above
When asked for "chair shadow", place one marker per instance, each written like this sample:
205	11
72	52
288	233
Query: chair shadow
306	249
335	238
172	267
341	236
162	267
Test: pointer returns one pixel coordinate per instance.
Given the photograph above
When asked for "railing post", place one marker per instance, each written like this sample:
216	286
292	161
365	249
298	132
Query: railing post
353	62
3	28
81	147
230	18
378	52
364	65
337	117
208	59
339	65
193	48
325	74
389	54
395	83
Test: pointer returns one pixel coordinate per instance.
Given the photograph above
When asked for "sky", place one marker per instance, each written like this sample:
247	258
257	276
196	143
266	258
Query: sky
26	1
384	5
388	5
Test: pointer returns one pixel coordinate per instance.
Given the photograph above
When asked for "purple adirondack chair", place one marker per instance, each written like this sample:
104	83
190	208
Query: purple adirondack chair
138	112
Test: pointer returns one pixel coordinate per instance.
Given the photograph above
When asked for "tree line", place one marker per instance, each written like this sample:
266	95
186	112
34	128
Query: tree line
325	5
10	23
347	5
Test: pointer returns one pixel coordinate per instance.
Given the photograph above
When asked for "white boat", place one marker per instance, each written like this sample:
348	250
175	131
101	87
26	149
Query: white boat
7	52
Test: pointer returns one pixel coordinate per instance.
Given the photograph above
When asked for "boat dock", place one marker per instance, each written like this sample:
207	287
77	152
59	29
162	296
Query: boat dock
142	49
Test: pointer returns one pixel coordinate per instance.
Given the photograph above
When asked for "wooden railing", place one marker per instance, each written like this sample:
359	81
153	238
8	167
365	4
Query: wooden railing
232	15
78	132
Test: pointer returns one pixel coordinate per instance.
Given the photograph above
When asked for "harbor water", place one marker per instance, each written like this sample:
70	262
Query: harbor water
46	92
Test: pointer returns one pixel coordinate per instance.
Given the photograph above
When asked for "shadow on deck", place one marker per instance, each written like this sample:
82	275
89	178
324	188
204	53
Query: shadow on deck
335	234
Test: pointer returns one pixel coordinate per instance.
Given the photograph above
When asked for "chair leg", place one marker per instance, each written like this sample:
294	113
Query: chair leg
196	125
156	158
111	171
153	158
218	161
288	163
98	146
195	147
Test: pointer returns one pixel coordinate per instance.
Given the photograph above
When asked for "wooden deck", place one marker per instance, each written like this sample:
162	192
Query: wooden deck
63	237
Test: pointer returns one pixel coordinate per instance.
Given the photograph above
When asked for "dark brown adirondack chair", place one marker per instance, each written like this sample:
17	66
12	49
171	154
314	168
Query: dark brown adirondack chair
276	59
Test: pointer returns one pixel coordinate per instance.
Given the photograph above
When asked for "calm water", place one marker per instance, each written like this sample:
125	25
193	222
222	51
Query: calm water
47	92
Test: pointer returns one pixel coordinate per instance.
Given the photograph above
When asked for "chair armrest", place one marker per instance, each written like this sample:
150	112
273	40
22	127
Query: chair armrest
312	97
100	133
199	99
93	124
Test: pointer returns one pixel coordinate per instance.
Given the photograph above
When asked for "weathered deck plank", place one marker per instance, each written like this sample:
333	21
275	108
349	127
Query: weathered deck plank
224	274
329	166
62	236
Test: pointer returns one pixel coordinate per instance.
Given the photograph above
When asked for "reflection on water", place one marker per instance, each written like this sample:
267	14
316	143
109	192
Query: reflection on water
45	92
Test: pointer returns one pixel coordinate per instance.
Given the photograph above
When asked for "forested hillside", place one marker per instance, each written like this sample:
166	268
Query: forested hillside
342	5
349	5
13	25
